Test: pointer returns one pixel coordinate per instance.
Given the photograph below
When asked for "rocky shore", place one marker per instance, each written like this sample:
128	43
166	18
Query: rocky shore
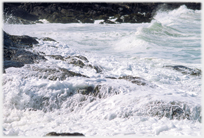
110	13
17	54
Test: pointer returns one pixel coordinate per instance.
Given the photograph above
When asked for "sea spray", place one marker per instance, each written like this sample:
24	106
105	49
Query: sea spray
34	104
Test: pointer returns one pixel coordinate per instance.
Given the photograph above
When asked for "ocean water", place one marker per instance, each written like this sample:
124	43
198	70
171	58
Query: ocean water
33	106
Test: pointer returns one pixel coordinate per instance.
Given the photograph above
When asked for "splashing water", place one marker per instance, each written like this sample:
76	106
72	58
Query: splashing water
170	103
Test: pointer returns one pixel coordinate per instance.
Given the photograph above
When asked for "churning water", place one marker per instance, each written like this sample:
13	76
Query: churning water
170	103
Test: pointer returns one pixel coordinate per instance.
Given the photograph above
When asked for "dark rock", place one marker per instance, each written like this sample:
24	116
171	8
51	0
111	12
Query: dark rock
87	20
111	77
14	53
135	80
185	70
47	39
100	91
75	61
17	20
86	90
18	41
26	57
88	12
97	90
82	58
107	22
64	134
20	57
55	73
10	63
57	57
23	40
103	91
98	68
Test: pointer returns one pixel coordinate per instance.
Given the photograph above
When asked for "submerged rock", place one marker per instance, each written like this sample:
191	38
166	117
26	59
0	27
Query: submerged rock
80	61
98	68
55	73
82	58
111	77
57	57
64	134
135	80
47	39
74	61
185	70
100	91
174	110
86	90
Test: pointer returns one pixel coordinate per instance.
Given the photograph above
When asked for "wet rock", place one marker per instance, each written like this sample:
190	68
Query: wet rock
64	134
15	54
107	22
111	77
24	40
185	70
10	63
88	12
47	39
97	90
74	61
135	80
100	91
55	73
86	90
80	61
57	57
82	58
18	20
98	68
86	20
103	91
27	57
174	110
18	41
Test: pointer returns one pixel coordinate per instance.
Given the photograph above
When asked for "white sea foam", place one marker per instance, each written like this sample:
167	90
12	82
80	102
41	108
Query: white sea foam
34	106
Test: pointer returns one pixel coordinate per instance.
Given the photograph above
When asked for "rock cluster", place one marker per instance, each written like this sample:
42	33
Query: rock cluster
15	54
185	70
86	12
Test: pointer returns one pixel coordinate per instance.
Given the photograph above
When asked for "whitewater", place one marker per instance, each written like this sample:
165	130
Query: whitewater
34	106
